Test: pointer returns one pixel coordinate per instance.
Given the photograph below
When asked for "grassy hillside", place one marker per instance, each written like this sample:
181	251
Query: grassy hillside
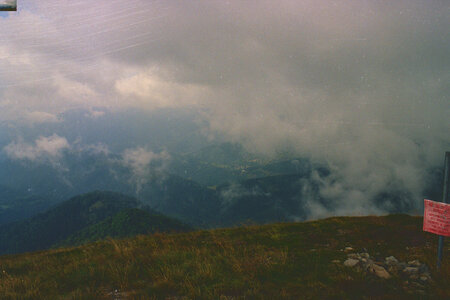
126	223
279	261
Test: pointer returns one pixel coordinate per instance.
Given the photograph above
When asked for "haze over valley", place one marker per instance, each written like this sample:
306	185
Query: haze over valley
221	113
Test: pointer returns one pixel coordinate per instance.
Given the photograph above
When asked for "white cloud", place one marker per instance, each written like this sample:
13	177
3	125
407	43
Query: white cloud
361	85
98	148
42	117
72	90
148	90
96	113
143	164
43	148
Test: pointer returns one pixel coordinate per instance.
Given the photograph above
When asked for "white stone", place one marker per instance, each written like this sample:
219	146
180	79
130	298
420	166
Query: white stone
351	262
391	260
415	263
336	261
380	271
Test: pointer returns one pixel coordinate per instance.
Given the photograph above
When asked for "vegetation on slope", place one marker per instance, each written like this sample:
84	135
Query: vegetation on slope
45	229
279	261
126	223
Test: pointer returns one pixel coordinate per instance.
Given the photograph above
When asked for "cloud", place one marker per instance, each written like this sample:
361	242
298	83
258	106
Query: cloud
96	149
143	164
73	90
96	113
147	90
42	117
358	85
43	148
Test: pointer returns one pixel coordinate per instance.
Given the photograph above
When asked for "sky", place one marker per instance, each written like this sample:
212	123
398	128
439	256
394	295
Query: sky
360	85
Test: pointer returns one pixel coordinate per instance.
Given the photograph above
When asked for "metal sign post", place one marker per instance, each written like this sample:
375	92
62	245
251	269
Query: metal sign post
445	200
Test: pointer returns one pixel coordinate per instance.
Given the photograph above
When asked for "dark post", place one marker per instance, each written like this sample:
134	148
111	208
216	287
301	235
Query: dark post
445	200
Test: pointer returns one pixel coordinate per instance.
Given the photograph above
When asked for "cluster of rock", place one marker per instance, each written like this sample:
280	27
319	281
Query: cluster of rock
411	271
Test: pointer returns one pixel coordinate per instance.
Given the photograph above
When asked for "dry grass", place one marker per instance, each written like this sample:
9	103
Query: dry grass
279	261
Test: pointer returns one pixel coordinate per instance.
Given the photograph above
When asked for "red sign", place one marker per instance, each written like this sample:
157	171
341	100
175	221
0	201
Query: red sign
436	217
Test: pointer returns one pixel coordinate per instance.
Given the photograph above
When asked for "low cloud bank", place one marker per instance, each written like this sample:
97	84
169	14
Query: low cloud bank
143	164
43	148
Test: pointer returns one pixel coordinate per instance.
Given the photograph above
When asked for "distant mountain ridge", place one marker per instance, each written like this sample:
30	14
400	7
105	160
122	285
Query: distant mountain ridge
76	214
199	187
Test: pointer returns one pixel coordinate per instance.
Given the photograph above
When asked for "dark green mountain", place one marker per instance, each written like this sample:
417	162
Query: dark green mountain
84	218
182	199
58	223
126	223
259	200
263	200
214	186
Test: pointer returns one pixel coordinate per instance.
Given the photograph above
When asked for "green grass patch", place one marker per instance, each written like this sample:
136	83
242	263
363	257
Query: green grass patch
277	261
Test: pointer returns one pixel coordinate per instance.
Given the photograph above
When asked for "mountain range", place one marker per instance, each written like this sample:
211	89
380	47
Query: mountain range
216	186
84	218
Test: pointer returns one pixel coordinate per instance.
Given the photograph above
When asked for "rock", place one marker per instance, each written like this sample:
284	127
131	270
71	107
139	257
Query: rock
367	266
393	269
391	260
380	271
414	263
351	262
414	271
336	261
365	255
411	270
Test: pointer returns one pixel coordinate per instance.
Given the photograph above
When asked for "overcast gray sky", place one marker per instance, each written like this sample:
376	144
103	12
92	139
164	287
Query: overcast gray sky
362	85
